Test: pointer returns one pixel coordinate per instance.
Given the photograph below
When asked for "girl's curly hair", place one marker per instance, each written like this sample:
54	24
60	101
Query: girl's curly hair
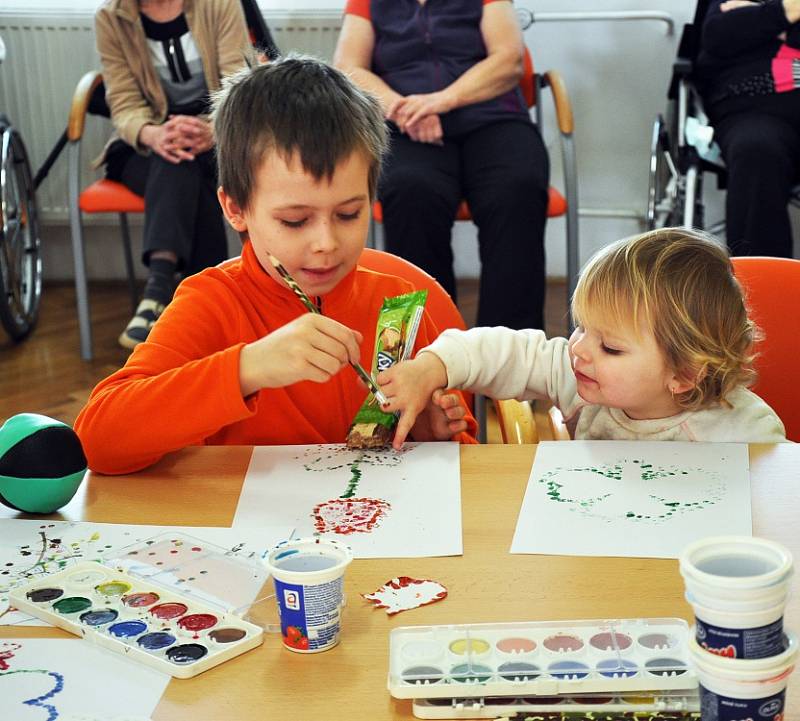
680	284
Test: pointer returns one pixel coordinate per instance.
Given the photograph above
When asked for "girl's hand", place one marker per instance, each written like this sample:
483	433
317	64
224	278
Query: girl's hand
310	348
440	420
409	387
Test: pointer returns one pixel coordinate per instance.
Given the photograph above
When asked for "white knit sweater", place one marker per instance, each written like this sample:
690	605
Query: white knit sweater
503	363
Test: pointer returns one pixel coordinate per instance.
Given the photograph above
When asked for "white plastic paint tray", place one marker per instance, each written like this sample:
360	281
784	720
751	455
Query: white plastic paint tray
173	602
493	669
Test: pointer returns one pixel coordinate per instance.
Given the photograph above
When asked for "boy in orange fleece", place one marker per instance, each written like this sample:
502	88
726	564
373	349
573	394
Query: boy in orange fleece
236	358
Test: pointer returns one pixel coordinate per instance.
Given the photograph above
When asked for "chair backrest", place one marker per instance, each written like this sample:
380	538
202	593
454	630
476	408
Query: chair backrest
770	286
440	305
527	83
260	36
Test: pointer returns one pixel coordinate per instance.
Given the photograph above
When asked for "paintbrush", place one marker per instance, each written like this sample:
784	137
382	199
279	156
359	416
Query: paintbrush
311	308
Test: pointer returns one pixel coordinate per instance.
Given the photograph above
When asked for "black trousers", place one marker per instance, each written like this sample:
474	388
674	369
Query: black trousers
502	171
761	148
182	213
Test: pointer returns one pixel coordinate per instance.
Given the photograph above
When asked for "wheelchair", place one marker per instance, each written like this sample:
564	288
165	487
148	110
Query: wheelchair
682	149
20	245
681	146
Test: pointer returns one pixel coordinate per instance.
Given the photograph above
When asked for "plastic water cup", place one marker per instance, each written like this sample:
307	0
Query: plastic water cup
309	575
738	586
736	689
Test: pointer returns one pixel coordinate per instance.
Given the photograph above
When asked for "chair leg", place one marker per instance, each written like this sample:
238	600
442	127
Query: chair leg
480	417
78	256
571	190
126	245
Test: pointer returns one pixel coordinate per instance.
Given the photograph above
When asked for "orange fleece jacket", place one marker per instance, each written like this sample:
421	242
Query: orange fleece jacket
181	387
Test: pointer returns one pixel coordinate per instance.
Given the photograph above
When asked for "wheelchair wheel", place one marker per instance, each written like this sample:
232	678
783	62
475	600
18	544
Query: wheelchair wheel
675	186
664	202
20	246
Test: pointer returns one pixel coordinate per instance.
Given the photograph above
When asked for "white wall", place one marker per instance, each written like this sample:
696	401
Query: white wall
616	74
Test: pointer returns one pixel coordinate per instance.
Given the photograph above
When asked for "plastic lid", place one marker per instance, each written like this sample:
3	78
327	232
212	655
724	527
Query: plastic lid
196	569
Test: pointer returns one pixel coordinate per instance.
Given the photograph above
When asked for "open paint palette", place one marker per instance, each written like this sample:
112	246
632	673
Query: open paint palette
167	603
493	669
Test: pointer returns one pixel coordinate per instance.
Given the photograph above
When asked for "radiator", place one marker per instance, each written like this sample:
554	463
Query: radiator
47	55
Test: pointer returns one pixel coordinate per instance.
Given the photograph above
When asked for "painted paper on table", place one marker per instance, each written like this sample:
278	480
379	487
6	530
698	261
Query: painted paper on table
632	498
29	549
49	679
382	503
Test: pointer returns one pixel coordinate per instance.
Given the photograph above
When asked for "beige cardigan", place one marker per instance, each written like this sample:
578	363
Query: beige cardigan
133	90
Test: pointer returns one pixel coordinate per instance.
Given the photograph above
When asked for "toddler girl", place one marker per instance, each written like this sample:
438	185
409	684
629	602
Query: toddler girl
662	351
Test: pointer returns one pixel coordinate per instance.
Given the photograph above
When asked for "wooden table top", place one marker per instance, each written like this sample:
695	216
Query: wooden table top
200	487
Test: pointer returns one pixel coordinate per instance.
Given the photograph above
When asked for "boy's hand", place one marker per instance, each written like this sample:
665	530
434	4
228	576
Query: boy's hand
409	387
310	348
440	420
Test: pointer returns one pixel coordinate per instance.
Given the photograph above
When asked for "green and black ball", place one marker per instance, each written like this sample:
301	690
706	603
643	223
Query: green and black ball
41	463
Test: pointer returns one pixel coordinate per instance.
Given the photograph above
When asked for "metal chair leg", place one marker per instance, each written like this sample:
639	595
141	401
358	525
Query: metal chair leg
480	416
571	191
372	234
78	255
126	243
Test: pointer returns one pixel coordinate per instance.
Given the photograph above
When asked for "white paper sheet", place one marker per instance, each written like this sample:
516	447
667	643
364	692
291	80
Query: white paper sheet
385	504
47	679
34	548
632	498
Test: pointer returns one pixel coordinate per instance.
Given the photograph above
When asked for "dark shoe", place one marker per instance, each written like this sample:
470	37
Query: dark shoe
137	330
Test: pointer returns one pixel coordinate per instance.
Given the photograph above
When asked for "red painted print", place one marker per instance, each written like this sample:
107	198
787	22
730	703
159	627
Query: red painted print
8	654
349	515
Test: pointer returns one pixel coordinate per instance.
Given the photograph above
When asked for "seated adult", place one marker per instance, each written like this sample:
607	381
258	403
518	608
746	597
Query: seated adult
746	71
160	60
447	74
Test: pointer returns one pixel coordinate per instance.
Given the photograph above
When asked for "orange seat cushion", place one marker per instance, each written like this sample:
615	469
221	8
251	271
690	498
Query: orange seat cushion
109	196
556	206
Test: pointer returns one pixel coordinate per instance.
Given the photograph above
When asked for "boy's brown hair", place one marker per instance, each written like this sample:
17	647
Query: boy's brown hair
680	284
297	104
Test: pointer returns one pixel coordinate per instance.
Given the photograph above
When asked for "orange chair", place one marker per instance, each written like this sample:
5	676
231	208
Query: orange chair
439	305
531	85
771	290
102	196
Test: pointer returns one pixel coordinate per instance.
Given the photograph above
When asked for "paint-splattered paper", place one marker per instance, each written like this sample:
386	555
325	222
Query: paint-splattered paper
49	679
29	549
632	498
383	504
404	593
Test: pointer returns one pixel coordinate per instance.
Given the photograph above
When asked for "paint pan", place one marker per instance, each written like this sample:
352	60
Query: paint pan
164	603
622	665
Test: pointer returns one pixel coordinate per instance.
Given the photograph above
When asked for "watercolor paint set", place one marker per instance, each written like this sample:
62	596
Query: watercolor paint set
492	669
174	603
